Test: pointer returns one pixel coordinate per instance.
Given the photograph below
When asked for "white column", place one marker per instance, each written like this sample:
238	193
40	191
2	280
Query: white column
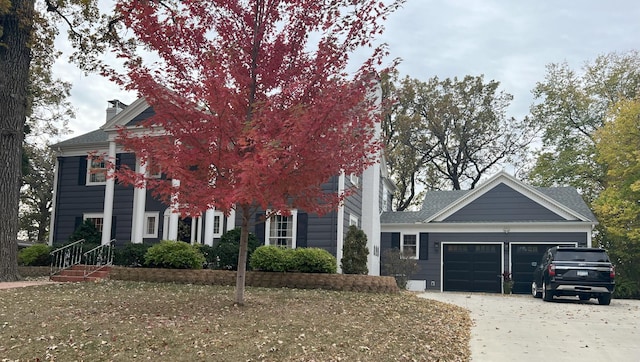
108	195
371	214
52	219
340	226
208	227
194	228
139	200
174	217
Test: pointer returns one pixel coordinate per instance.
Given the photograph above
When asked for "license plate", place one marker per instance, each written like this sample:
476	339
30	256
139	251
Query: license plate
583	273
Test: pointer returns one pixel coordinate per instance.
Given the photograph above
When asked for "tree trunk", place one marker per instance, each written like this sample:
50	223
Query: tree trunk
15	57
242	256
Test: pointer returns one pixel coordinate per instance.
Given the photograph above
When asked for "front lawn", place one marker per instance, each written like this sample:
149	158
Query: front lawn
125	321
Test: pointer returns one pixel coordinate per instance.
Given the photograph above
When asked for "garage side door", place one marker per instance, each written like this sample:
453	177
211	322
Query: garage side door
472	268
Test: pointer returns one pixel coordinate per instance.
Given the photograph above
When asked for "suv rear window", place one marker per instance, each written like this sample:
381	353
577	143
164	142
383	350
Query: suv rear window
576	255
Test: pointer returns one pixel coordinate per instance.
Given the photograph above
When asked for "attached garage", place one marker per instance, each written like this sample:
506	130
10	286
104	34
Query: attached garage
472	267
469	238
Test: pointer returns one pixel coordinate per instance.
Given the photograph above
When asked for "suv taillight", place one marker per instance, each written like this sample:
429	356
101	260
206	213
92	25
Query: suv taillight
612	272
551	269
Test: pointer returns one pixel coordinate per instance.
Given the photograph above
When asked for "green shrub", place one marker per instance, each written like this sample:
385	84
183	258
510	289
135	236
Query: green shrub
271	258
35	255
313	260
226	251
355	252
174	254
88	232
130	254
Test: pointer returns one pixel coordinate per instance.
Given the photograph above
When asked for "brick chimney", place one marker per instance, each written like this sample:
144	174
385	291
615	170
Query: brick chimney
115	107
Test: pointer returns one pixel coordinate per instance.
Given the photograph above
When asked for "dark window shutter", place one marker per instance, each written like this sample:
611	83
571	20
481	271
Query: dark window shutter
260	226
82	171
118	161
301	232
395	241
113	228
424	246
77	222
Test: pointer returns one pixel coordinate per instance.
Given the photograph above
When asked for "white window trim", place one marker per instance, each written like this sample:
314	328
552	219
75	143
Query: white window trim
354	220
147	215
88	178
416	256
294	228
93	215
218	234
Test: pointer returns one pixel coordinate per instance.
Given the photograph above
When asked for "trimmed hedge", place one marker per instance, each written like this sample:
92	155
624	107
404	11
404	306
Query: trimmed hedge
271	258
174	254
313	260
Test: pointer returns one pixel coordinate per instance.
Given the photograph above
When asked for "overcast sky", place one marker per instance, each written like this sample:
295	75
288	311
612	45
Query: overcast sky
510	41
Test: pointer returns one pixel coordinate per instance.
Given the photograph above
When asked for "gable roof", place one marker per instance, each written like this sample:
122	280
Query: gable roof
438	205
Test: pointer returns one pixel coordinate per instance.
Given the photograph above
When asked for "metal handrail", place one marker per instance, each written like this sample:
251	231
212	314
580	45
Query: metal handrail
66	256
98	258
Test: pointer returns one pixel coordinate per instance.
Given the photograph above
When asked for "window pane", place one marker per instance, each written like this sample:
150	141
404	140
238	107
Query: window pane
281	231
216	224
97	222
409	246
98	171
151	225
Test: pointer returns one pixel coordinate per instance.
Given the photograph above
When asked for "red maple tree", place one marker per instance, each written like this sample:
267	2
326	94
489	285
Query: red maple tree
254	105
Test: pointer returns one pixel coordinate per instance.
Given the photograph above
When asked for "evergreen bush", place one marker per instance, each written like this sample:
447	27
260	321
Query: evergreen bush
355	252
130	254
35	255
174	254
88	232
227	250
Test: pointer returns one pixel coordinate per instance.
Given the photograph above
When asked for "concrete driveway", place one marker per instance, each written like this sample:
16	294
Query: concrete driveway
521	328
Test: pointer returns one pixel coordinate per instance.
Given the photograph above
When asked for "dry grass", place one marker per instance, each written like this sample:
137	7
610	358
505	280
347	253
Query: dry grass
125	321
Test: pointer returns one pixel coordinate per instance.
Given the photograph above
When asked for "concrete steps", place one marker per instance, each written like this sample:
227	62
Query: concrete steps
76	274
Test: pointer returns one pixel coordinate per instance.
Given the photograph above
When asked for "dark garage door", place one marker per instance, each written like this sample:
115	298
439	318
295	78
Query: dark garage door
472	268
522	255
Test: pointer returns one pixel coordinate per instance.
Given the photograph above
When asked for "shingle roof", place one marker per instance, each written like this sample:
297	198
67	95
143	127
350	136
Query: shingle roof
92	137
436	201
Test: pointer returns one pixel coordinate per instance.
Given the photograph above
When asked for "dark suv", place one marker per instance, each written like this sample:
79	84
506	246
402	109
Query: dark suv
570	271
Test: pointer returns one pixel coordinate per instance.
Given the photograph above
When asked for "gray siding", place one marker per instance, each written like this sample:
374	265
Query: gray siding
503	203
74	199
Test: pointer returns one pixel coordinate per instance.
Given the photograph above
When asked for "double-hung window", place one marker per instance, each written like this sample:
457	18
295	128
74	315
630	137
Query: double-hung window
280	230
409	246
218	218
96	171
151	220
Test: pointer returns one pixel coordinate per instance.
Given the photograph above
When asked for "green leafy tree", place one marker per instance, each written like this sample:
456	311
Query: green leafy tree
448	133
618	206
355	252
571	106
87	231
37	192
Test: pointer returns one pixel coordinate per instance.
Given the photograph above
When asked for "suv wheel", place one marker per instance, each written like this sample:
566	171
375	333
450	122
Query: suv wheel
547	295
534	290
604	299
